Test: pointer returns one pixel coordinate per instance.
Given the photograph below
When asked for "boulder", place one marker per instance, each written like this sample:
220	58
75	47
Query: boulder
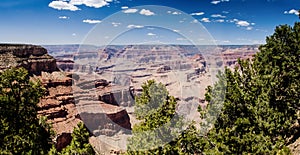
63	140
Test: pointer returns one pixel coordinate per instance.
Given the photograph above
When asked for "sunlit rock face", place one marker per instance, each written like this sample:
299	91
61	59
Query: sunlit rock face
34	58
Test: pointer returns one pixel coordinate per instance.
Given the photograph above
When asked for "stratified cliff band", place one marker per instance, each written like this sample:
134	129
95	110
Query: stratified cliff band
34	58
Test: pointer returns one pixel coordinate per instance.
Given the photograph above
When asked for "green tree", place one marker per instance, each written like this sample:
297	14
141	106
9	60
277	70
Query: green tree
79	144
159	125
161	130
22	132
260	111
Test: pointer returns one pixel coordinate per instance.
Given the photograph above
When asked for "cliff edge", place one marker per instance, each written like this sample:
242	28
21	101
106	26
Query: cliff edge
32	57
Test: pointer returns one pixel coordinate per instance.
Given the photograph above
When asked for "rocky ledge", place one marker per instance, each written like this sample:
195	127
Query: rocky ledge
32	57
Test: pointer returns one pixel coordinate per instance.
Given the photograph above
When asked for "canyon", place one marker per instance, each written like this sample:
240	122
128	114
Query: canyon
97	85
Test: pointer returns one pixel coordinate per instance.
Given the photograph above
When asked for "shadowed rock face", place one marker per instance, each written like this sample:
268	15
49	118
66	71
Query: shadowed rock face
34	58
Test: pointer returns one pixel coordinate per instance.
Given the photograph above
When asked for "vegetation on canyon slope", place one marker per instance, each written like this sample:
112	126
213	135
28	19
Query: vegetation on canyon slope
22	132
260	112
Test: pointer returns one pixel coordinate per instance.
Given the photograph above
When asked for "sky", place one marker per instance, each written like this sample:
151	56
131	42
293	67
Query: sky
224	22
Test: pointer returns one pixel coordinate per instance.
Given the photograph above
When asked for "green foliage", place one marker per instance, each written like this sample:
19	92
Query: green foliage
159	123
79	144
262	99
22	132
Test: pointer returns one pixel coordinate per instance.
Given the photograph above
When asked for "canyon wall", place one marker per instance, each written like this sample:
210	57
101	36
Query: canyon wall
34	58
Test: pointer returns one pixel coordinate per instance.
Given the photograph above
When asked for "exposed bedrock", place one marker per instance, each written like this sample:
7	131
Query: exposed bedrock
34	58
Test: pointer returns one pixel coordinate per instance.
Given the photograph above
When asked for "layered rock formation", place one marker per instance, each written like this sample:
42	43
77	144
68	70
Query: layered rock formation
65	110
34	58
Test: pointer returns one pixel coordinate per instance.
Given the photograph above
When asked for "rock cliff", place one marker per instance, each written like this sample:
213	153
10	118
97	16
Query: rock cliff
34	58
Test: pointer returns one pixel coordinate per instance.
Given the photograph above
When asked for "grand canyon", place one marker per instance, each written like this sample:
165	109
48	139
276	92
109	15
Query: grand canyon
97	85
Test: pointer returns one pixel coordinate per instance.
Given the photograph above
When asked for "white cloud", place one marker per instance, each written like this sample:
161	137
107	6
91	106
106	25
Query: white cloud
220	20
234	20
242	23
151	34
63	17
194	21
91	3
292	11
215	2
217	16
174	13
91	21
131	11
134	26
72	4
146	12
197	13
74	34
124	7
62	5
206	20
115	24
249	28
218	1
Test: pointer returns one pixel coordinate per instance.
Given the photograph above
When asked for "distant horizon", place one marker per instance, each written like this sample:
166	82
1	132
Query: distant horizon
127	44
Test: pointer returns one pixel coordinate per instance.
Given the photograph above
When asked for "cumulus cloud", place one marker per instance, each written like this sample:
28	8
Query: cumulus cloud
218	1
292	11
62	5
63	17
220	20
151	34
124	7
174	13
131	11
194	21
249	28
217	16
115	24
242	23
197	13
134	26
91	21
232	20
91	3
146	12
206	20
72	4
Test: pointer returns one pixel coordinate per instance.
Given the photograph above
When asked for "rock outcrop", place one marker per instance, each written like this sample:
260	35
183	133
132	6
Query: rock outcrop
34	58
65	108
59	106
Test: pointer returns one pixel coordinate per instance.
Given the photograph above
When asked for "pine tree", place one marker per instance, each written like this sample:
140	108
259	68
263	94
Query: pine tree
22	132
156	132
80	142
260	111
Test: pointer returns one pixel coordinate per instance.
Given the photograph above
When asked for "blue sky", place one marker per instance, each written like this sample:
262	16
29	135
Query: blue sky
70	21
